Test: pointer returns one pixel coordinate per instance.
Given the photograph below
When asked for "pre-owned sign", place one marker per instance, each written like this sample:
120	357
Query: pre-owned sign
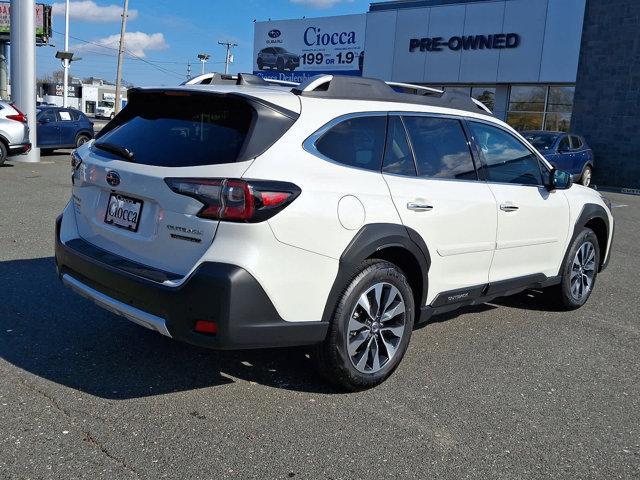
295	50
465	42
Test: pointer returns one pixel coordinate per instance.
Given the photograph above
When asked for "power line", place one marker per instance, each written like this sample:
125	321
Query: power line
133	55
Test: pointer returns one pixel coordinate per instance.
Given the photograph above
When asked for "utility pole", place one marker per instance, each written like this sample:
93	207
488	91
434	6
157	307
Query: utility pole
123	29
228	58
23	68
188	69
65	62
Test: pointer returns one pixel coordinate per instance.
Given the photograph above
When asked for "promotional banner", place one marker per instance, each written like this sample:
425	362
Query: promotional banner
295	50
43	21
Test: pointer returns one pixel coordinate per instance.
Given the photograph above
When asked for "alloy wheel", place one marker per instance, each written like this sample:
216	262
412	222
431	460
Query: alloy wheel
586	177
583	271
376	327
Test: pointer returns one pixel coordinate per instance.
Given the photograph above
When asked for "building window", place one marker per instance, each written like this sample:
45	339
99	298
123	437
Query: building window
534	107
559	108
486	95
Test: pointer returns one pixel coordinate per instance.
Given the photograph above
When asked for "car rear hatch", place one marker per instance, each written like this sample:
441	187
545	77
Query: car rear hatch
122	201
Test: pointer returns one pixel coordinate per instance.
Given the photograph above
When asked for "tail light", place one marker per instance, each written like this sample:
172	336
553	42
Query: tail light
20	117
236	200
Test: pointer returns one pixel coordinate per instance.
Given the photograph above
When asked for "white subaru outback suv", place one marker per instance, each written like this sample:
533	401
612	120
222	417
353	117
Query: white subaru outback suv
339	214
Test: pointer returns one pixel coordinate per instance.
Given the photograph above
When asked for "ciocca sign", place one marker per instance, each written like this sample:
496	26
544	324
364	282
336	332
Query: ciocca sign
465	42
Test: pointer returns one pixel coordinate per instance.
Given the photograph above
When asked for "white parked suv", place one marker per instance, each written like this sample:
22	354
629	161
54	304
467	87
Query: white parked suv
339	214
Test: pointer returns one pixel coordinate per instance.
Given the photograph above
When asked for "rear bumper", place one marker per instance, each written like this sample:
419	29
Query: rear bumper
19	149
224	293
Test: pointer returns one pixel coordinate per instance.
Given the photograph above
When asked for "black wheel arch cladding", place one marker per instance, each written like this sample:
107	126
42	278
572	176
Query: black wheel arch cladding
368	241
591	212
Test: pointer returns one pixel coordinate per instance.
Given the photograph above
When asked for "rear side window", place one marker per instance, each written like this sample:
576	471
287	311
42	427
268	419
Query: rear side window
576	142
507	159
357	142
182	130
440	148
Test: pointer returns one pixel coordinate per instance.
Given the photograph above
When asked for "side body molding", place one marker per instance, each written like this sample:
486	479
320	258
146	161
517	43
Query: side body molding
370	239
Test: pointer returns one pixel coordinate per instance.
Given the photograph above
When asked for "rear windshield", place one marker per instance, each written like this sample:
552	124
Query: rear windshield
181	131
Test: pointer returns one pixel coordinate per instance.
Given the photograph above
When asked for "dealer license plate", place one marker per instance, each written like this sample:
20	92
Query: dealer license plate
123	212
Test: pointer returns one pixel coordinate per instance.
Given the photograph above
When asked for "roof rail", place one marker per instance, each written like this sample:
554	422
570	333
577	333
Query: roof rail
362	88
215	78
414	87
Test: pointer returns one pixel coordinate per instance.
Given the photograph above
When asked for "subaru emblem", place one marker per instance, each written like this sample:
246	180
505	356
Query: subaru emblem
113	178
274	33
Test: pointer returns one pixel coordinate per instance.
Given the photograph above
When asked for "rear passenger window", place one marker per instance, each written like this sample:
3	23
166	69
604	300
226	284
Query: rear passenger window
357	142
398	159
507	159
576	142
440	148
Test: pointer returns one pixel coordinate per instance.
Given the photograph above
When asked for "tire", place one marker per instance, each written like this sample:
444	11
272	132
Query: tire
81	140
585	179
376	346
3	153
46	151
260	64
579	271
280	64
112	116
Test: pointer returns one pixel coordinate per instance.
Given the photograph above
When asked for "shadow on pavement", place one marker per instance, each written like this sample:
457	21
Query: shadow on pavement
538	300
51	332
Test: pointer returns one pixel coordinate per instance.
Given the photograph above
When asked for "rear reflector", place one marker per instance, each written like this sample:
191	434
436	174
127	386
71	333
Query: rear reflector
236	200
206	326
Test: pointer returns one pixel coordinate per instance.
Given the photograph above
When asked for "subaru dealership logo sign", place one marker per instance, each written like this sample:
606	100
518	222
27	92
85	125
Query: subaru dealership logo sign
275	33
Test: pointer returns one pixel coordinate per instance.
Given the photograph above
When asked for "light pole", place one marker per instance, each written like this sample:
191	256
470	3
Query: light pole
23	68
203	57
228	58
67	58
123	29
66	61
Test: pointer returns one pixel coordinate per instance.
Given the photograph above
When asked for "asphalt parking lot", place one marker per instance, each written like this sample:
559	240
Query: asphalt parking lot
509	390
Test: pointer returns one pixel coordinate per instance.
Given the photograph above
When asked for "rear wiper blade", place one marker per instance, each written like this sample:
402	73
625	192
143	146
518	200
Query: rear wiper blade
119	150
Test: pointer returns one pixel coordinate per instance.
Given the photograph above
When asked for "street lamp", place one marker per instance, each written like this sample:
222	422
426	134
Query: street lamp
67	58
203	57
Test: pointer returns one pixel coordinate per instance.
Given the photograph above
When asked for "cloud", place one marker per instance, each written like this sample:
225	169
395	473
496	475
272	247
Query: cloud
320	3
136	43
89	11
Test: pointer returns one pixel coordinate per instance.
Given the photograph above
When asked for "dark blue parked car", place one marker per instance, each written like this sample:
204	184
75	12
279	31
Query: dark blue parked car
62	128
566	152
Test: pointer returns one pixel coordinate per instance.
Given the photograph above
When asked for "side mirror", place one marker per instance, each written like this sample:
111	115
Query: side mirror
560	180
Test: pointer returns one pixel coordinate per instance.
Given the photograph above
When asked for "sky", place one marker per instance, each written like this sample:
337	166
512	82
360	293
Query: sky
163	35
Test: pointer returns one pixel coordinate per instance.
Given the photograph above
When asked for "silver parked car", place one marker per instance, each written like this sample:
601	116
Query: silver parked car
14	132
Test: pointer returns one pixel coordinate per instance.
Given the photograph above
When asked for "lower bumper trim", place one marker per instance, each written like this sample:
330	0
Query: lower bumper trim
119	308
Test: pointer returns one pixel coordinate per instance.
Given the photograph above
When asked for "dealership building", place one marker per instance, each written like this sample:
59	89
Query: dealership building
567	65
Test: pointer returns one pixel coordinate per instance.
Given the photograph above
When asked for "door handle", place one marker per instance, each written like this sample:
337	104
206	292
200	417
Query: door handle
419	207
508	207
